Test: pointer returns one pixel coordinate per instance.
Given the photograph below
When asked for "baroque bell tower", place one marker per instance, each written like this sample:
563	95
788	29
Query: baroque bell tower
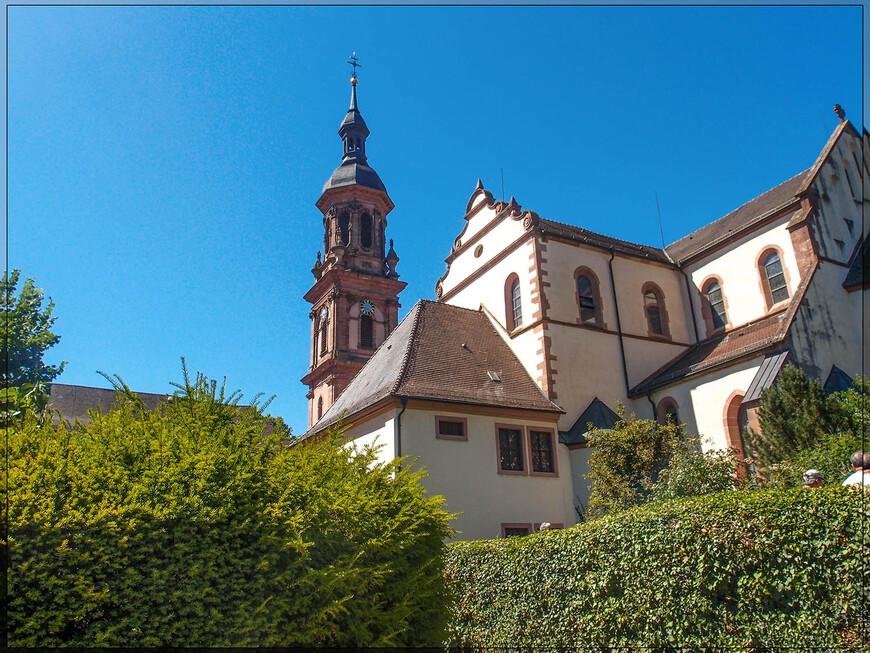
355	296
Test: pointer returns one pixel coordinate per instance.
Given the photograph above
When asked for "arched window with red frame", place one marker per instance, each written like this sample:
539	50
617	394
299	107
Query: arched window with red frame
588	295
713	306
513	303
654	310
773	276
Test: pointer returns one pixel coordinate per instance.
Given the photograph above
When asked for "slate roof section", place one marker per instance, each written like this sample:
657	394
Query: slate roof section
598	414
584	236
765	376
74	401
837	381
720	348
741	218
444	353
856	276
354	174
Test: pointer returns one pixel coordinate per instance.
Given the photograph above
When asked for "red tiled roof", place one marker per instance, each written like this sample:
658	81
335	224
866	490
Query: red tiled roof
581	235
721	348
444	353
754	211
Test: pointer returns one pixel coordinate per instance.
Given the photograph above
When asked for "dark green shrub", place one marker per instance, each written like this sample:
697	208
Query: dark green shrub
772	568
801	428
196	526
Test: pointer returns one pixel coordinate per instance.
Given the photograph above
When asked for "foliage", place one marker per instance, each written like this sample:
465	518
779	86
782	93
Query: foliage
195	525
27	336
642	460
801	428
692	472
730	571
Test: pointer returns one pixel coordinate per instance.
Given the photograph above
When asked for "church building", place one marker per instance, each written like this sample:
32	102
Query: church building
541	327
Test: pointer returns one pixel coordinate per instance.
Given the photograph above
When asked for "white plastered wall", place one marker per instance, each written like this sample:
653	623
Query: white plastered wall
708	395
378	431
827	327
466	474
736	266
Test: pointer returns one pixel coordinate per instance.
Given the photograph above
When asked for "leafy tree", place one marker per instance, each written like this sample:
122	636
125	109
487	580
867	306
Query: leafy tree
801	428
692	472
641	460
626	461
196	525
27	336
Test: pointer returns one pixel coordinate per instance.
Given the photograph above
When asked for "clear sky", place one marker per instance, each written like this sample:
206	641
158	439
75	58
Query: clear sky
163	162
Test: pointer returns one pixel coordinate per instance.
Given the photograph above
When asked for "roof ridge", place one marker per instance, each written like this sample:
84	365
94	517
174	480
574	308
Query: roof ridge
734	210
619	240
412	341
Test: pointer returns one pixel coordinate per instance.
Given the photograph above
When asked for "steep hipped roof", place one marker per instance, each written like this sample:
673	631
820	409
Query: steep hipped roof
754	211
444	353
580	235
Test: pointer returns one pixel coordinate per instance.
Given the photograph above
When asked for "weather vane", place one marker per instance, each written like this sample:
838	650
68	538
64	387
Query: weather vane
353	61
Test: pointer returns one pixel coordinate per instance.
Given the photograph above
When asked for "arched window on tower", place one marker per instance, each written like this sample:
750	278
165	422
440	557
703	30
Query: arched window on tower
323	330
320	407
513	303
366	332
714	306
365	234
343	227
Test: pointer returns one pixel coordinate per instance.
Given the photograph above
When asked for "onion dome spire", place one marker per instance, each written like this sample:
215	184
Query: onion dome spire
354	168
353	129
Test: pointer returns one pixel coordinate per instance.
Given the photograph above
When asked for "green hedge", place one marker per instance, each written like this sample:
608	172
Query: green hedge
735	569
190	527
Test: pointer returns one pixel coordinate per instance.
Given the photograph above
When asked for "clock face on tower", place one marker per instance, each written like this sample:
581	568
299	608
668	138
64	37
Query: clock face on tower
366	307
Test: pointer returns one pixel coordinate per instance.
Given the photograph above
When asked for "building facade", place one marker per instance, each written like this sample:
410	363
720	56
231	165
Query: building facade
577	322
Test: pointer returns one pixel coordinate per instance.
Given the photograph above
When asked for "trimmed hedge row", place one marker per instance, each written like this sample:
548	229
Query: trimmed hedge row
734	569
195	526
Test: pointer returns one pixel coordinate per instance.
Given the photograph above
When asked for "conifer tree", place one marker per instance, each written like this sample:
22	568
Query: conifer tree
795	416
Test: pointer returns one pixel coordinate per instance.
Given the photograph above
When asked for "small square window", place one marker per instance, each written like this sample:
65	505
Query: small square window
515	530
451	428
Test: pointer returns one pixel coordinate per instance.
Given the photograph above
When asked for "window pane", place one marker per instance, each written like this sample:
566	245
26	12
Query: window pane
542	451
510	453
514	531
516	307
365	235
365	332
717	305
452	429
585	296
654	319
776	278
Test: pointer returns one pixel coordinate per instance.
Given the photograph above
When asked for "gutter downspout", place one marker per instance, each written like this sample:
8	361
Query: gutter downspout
652	403
618	324
691	302
404	400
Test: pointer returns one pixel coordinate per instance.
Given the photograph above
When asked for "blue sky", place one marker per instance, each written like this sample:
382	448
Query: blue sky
163	162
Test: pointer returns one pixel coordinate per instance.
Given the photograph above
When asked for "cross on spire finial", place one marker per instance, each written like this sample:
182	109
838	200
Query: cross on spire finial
353	61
